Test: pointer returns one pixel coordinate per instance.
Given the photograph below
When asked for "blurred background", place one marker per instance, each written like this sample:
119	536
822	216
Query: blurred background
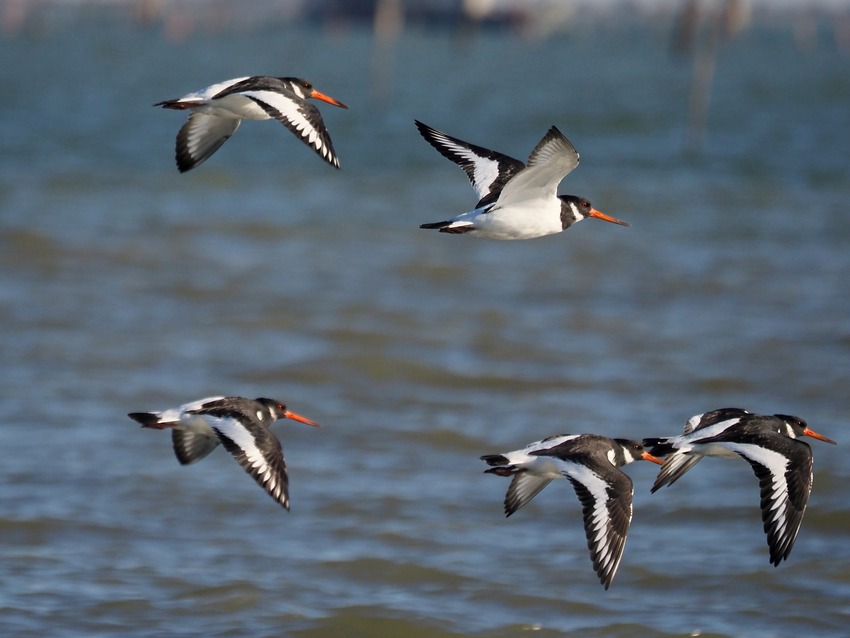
719	130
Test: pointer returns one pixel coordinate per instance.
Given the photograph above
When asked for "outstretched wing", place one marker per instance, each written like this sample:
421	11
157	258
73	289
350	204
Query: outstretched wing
674	467
523	488
300	117
786	481
259	453
607	510
550	161
190	446
200	137
488	171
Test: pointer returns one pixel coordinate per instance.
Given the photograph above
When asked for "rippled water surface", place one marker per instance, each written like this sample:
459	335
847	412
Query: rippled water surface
127	286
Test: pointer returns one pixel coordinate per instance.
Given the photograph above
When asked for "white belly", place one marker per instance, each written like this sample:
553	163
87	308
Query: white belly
511	223
235	106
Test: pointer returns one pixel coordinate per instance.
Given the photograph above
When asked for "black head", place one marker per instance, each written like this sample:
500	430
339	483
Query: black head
632	451
272	410
795	427
305	89
574	209
299	85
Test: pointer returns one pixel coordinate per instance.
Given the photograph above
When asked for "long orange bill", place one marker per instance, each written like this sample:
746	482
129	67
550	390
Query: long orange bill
600	215
646	456
819	437
301	419
327	98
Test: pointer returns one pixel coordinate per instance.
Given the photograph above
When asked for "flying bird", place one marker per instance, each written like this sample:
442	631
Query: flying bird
515	200
770	444
240	425
216	111
591	463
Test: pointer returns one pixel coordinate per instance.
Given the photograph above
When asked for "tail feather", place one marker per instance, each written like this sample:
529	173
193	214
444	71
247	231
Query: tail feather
174	104
448	226
495	459
150	420
500	465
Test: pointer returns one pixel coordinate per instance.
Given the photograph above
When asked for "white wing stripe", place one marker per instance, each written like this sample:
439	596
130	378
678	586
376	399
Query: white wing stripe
241	437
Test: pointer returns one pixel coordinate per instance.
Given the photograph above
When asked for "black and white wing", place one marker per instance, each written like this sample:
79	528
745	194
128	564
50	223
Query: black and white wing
300	117
191	446
524	487
674	467
200	137
785	480
488	171
259	453
606	503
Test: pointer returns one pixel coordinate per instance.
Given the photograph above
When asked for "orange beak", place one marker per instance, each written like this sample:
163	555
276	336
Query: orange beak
819	437
301	419
600	215
327	98
646	456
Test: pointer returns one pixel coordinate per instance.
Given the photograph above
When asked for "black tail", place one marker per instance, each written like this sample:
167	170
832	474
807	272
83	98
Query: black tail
495	459
173	104
148	420
500	464
435	225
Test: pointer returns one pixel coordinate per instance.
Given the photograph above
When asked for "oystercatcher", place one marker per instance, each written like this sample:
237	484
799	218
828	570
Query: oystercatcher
515	201
770	444
591	463
240	425
217	110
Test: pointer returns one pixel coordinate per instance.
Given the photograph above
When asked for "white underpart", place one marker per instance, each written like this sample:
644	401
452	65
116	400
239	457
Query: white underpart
197	424
533	218
237	105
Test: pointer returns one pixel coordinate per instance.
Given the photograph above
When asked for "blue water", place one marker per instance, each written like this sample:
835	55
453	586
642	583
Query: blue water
126	286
